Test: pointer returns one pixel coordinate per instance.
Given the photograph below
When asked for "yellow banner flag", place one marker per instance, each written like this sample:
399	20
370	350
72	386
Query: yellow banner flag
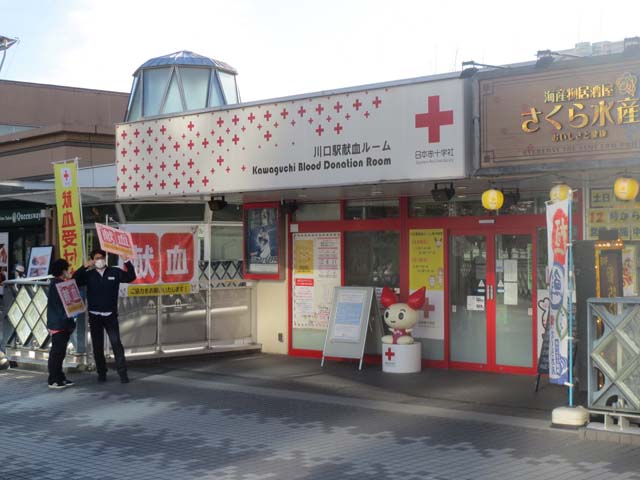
69	218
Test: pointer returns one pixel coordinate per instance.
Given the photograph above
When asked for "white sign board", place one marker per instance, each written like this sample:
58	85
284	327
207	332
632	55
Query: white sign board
406	132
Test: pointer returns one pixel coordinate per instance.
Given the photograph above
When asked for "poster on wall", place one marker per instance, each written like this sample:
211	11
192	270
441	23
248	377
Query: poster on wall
557	240
426	260
262	241
316	272
165	260
4	259
39	261
629	271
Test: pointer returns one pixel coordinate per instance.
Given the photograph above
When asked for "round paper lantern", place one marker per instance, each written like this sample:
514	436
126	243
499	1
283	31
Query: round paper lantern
492	199
560	191
626	188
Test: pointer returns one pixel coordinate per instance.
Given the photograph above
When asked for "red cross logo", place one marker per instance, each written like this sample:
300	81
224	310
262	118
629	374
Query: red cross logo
163	166
163	129
302	111
220	160
205	180
284	113
377	102
205	142
428	307
163	148
163	184
243	168
149	131
268	135
123	135
268	115
357	104
123	170
235	139
136	151
220	121
190	182
149	185
190	163
136	133
235	119
149	167
220	141
389	354
124	187
319	109
337	107
176	183
190	144
177	146
136	168
228	169
123	152
319	130
251	117
190	126
434	118
136	186
338	128
149	149
177	165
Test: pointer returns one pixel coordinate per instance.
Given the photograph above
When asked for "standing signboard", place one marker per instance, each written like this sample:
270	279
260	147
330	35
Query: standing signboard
70	238
354	317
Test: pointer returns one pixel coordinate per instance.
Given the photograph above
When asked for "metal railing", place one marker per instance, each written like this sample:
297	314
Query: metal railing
614	354
219	316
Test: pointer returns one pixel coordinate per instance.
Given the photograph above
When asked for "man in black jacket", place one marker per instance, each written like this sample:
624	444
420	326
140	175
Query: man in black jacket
103	285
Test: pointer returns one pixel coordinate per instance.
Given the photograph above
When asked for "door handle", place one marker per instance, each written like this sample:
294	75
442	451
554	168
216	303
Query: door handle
490	292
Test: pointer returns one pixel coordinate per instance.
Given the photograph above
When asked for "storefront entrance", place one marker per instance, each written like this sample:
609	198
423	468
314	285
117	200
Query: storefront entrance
492	299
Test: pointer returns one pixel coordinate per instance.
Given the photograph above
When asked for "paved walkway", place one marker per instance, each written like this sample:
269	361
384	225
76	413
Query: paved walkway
188	422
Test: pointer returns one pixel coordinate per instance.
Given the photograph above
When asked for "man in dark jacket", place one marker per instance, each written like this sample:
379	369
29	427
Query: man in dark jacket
60	326
103	285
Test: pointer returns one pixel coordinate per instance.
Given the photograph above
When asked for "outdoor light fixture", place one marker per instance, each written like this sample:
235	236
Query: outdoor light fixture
559	191
492	199
217	203
626	188
443	194
290	206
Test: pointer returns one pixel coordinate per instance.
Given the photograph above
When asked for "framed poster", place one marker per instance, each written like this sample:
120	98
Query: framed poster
262	241
39	261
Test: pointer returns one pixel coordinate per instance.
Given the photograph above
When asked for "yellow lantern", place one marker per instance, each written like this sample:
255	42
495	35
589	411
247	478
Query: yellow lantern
626	188
492	199
560	191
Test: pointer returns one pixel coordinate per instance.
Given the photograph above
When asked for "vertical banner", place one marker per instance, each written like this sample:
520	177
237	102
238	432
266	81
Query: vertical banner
69	217
557	240
316	272
426	260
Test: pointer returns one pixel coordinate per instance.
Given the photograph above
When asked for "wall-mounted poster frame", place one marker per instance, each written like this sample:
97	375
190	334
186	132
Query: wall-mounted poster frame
262	238
40	261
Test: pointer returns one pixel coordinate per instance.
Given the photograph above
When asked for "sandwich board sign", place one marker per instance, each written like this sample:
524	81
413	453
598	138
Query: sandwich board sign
354	317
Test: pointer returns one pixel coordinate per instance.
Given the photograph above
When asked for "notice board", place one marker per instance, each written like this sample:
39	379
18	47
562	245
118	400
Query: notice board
354	317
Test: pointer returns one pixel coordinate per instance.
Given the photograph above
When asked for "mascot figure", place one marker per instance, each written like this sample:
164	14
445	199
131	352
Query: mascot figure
401	317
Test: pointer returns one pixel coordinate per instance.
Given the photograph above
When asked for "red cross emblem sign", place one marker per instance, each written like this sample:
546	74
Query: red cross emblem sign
389	354
434	118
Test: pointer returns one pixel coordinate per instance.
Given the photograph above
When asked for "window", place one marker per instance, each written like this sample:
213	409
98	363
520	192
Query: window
173	103
9	129
226	242
215	95
307	212
228	82
372	259
163	212
155	82
371	209
194	83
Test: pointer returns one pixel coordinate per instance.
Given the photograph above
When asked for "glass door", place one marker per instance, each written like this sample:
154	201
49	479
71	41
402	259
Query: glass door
468	299
514	300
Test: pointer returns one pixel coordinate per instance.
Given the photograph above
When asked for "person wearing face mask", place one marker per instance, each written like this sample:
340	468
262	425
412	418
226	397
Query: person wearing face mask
103	284
60	327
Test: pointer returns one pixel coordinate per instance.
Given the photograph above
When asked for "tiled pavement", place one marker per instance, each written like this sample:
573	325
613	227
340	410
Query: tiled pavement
177	425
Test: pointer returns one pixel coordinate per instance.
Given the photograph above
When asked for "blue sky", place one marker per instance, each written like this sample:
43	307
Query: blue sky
286	47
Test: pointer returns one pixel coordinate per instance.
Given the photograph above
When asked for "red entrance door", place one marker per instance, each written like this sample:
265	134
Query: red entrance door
492	295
